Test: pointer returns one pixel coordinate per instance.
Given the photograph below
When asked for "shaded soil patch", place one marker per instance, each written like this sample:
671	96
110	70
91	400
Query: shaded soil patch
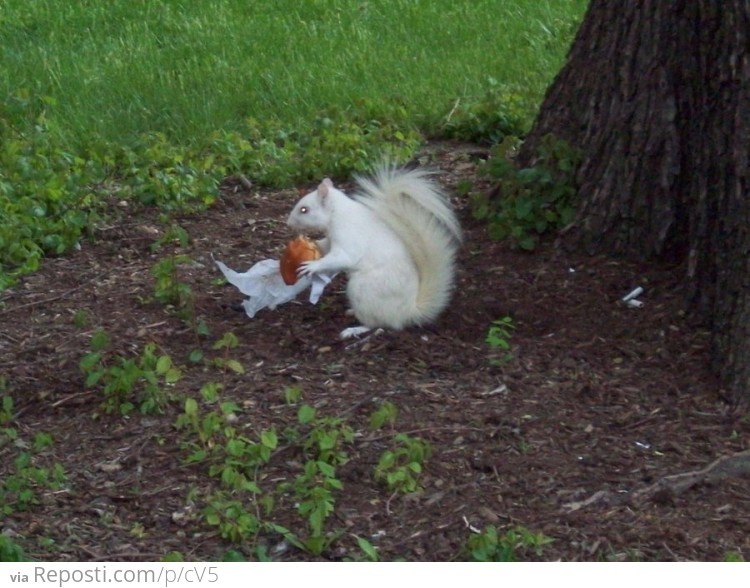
595	397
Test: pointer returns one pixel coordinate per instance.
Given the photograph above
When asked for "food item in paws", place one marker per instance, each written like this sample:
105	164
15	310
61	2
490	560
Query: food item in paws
297	251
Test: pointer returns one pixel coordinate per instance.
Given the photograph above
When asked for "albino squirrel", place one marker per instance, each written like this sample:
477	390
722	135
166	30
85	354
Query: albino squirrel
396	239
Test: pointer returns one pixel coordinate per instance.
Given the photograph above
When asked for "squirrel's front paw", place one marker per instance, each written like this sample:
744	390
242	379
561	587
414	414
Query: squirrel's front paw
307	268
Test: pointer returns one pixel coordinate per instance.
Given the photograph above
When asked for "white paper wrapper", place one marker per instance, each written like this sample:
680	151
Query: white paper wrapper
265	287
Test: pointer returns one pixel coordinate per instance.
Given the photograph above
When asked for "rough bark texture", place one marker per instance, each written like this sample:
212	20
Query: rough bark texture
657	97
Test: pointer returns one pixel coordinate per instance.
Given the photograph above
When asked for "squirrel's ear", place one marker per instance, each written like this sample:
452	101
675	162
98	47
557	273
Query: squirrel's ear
324	186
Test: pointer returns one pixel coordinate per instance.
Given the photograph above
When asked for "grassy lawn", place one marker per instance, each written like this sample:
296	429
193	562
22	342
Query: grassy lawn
114	70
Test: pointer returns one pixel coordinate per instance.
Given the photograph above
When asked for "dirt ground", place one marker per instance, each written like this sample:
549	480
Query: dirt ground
598	402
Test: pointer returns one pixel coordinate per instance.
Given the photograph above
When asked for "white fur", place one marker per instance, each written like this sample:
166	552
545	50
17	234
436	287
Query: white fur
397	240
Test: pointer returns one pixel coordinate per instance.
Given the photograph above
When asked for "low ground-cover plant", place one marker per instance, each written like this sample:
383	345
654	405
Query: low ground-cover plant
516	544
128	383
489	119
45	199
335	143
529	202
243	508
10	550
26	471
400	466
51	197
7	431
26	479
498	339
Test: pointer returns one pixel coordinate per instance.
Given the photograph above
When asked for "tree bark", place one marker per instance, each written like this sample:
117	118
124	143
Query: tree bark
656	95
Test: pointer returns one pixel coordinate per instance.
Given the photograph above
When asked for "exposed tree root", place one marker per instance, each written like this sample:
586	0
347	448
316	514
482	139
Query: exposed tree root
668	487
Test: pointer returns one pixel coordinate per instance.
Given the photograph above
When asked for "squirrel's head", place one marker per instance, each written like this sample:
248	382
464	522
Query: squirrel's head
312	212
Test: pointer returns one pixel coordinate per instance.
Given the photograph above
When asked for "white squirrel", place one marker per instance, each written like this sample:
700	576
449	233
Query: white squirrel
396	239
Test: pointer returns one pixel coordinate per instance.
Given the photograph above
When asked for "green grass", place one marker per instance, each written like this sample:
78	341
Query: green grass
114	70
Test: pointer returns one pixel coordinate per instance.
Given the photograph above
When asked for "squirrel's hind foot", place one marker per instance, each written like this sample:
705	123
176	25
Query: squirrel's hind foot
354	332
357	341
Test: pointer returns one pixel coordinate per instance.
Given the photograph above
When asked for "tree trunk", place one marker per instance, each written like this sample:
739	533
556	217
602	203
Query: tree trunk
656	95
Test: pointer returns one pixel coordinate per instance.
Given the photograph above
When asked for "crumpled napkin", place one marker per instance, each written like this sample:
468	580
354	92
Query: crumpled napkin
266	288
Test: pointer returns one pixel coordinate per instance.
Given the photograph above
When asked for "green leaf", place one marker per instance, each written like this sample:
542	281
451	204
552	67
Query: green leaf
99	340
498	231
524	208
527	243
90	360
173	556
541	225
191	407
305	414
335	484
229	340
172	376
316	544
93	378
235	366
235	447
269	439
163	364
326	469
228	408
150	377
387	460
197	456
292	394
367	548
261	553
233	555
212	518
210	392
530	174
327	442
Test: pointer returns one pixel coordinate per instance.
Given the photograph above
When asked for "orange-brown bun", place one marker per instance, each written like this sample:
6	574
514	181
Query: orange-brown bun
297	251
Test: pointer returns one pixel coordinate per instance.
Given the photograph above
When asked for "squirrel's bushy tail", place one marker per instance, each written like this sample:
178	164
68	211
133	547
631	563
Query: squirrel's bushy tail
418	211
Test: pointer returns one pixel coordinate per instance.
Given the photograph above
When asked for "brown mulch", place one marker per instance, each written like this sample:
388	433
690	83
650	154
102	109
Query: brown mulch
597	402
